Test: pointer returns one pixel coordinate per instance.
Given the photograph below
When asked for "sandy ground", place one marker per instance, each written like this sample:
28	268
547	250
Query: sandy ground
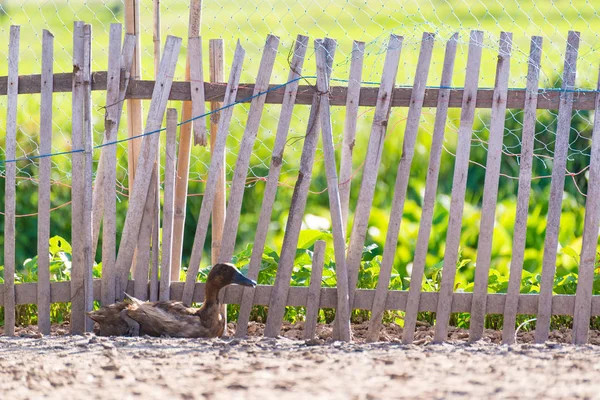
90	367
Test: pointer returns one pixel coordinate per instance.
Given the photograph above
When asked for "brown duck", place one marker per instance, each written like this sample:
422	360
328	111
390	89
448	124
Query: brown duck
171	318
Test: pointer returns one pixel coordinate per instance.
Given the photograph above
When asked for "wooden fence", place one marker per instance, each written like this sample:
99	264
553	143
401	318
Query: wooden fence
93	202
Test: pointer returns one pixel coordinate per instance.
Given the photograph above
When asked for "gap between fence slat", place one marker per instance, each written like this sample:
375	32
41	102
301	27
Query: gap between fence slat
45	169
522	212
146	162
348	141
281	287
490	189
10	181
216	165
459	184
314	291
266	211
169	203
585	281
185	147
429	198
561	148
400	188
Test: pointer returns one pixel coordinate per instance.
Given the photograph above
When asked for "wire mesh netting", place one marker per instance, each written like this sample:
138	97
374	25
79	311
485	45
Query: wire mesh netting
370	21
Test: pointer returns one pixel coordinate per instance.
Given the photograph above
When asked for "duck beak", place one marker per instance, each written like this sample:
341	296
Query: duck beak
240	279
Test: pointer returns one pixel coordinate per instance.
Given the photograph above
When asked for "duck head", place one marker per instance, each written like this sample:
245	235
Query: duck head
224	274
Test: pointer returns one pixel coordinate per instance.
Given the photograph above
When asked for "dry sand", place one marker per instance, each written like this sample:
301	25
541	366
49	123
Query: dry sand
90	367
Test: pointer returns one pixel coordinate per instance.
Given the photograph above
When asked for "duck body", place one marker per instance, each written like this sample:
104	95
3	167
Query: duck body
171	318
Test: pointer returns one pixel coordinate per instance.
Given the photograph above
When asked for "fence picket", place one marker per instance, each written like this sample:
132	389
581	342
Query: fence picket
169	204
279	294
78	165
197	90
459	184
314	291
146	161
490	189
520	231
45	169
583	299
352	101
401	185
429	198
561	148
10	180
216	164
142	262
266	211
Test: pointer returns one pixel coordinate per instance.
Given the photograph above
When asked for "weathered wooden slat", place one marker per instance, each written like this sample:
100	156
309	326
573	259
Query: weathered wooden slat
520	232
88	146
352	100
77	192
197	89
490	189
146	161
236	193
314	290
561	148
372	161
583	299
142	262
459	184
156	34
548	99
339	232
216	164
281	288
45	168
266	210
401	185
429	198
119	73
185	147
168	205
10	181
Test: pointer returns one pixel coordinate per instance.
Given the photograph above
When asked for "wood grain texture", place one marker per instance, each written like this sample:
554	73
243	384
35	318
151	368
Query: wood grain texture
401	185
281	288
490	189
314	291
429	198
459	184
266	211
522	213
561	148
197	89
45	168
10	181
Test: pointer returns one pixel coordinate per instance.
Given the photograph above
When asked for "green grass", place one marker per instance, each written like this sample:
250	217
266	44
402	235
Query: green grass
369	21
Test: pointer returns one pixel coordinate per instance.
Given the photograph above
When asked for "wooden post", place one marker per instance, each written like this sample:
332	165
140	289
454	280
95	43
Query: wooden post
429	199
156	35
185	147
147	160
45	170
520	233
167	234
314	291
459	186
142	260
490	190
10	181
88	146
262	229
583	299
78	165
134	106
352	101
197	90
279	294
401	185
561	149
216	165
217	75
